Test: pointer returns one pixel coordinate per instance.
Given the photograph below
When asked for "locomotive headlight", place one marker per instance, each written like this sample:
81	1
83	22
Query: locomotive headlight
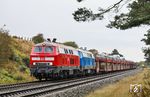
34	63
49	58
35	58
50	63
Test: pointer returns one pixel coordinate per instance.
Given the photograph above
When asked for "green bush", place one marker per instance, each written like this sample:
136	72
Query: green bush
38	38
14	59
26	61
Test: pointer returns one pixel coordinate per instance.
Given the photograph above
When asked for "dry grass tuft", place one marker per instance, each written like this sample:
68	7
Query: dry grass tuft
122	88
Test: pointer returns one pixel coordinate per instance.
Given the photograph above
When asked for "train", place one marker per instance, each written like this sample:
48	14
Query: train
49	60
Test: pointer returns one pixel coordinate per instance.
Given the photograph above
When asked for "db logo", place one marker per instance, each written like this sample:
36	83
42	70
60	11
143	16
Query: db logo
42	59
136	88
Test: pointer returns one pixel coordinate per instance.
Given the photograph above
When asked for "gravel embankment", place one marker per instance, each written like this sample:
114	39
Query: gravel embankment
82	90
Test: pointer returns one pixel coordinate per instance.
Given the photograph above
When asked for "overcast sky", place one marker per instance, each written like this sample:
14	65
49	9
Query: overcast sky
54	18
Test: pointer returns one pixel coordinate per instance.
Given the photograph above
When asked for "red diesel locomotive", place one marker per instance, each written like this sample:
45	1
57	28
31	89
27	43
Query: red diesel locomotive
51	60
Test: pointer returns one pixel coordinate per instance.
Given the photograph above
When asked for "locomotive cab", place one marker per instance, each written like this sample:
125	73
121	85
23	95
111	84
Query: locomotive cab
42	59
42	55
53	60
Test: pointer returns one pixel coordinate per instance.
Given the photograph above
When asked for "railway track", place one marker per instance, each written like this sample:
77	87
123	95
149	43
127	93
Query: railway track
32	89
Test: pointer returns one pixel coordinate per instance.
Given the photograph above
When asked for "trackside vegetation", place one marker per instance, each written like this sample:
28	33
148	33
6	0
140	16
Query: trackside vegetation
122	88
14	59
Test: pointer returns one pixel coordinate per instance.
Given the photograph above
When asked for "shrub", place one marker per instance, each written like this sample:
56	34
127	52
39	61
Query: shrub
26	61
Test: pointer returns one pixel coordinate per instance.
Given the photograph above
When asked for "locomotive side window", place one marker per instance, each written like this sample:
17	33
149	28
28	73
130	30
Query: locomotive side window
37	49
48	49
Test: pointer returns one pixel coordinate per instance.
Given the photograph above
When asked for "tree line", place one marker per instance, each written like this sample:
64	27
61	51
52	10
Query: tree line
138	14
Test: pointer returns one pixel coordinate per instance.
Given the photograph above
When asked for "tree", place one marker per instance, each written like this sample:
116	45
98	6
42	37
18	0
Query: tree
84	14
139	14
71	43
94	51
5	46
146	50
38	38
115	52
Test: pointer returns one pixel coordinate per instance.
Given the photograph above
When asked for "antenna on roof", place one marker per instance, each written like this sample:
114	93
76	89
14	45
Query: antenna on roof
48	39
54	40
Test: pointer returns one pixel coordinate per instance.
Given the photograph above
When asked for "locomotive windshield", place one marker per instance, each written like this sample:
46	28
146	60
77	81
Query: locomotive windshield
45	49
37	49
48	49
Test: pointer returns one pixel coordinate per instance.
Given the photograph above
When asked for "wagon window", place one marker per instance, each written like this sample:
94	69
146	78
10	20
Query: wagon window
37	49
48	49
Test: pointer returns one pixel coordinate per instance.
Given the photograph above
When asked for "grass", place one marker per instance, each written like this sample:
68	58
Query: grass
11	74
122	88
14	59
22	45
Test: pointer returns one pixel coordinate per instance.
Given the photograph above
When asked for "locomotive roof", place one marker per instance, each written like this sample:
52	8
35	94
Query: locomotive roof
54	44
61	45
44	43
